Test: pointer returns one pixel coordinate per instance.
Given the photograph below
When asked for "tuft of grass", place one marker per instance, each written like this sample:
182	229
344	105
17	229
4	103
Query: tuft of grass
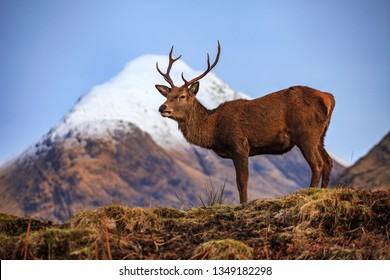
339	210
212	196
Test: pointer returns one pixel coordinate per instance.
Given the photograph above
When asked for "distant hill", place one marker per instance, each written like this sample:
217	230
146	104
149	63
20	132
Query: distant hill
372	170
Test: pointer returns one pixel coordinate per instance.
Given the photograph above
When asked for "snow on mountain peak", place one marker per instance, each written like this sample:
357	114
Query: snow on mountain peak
131	97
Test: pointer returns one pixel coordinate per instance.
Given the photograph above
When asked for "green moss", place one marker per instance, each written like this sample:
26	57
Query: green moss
13	225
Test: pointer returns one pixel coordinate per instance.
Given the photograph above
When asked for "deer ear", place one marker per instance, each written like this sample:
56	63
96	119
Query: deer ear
194	88
164	90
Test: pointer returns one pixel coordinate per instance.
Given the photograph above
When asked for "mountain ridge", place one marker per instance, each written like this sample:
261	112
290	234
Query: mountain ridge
371	170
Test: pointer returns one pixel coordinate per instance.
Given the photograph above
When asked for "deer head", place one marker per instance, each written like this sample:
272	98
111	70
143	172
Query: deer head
180	99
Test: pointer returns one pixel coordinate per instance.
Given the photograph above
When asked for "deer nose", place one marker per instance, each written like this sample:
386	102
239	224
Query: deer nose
162	108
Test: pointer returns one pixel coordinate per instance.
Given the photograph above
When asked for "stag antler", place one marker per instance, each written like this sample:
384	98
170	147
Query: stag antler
166	75
209	68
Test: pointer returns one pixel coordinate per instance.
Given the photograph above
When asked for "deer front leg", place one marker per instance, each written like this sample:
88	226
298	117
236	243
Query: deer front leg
242	173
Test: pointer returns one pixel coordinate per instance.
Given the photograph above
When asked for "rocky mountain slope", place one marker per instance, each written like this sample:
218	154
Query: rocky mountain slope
113	146
372	170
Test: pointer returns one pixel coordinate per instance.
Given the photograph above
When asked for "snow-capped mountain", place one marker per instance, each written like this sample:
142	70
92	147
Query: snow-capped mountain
113	146
131	97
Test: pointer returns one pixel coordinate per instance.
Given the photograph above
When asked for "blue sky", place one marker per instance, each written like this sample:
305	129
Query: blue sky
54	51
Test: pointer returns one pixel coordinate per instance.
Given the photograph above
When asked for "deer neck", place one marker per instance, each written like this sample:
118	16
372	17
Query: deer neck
198	126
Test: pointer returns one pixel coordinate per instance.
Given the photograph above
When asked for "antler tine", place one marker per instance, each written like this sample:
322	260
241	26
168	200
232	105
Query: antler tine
166	76
182	76
209	68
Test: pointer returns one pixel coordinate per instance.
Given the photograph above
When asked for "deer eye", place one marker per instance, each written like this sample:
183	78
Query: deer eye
182	97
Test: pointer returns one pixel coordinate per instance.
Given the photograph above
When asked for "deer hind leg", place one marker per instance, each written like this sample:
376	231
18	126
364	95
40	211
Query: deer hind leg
328	164
315	161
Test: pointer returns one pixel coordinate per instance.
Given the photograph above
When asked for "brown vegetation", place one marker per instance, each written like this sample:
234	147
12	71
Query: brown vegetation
309	224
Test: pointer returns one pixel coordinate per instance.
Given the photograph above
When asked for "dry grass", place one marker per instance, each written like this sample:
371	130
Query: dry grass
212	196
25	249
309	224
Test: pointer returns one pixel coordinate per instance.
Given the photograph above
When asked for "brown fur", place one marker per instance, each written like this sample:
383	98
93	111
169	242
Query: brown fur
272	124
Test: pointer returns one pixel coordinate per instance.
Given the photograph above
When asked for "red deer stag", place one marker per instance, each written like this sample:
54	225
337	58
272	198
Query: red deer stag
238	129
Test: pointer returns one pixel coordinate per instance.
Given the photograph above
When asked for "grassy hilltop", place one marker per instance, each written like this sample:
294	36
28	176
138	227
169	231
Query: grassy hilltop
309	224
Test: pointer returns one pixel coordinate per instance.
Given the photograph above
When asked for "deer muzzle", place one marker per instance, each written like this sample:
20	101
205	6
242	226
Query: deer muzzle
164	112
